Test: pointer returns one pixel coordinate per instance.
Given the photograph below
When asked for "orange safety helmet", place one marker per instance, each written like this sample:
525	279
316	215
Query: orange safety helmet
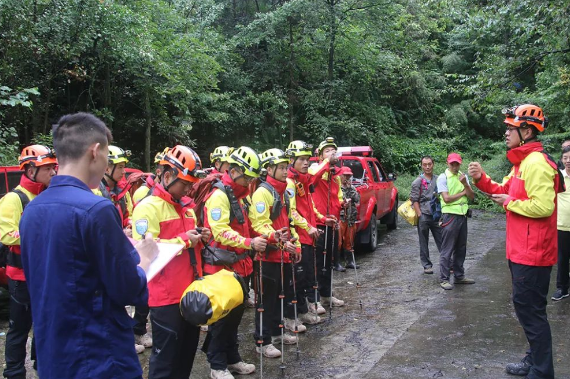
36	155
185	163
523	116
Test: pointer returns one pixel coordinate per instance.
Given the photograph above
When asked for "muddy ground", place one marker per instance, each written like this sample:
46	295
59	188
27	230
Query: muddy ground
409	327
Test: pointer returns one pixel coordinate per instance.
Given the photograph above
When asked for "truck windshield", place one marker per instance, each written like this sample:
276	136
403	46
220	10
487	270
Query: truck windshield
355	166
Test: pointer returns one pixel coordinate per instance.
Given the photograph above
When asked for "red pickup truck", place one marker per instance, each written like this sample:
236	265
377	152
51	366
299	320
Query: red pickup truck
378	195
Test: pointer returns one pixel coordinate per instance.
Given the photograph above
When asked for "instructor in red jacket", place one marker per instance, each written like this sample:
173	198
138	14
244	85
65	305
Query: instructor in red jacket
528	195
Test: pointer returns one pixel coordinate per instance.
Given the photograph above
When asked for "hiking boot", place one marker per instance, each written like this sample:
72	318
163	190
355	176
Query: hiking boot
521	368
310	318
139	348
290	325
335	302
464	280
268	351
446	285
339	267
287	339
352	265
428	270
318	308
242	368
145	340
559	294
221	374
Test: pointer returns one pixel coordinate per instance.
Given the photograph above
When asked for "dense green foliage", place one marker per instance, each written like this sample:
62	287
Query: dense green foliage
408	77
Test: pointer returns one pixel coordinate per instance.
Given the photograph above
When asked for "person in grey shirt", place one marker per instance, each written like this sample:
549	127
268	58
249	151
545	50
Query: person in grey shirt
423	188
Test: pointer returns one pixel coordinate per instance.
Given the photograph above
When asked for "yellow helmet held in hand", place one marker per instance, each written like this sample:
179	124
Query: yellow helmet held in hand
247	159
117	155
299	149
273	157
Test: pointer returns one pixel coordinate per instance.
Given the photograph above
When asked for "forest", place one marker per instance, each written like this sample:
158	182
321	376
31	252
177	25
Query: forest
408	77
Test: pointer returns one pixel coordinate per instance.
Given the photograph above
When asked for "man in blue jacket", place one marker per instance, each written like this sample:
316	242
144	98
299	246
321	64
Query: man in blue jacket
81	268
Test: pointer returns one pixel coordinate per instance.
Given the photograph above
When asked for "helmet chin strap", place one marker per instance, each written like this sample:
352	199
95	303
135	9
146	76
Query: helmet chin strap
110	176
523	141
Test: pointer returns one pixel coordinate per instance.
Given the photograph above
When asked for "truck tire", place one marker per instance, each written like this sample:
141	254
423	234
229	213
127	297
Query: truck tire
372	233
393	220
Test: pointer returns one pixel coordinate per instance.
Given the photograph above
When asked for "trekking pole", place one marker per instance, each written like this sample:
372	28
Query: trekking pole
282	323
294	301
355	270
260	310
332	271
326	226
316	279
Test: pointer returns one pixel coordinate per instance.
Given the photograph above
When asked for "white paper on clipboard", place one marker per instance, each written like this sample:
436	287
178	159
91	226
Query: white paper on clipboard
166	252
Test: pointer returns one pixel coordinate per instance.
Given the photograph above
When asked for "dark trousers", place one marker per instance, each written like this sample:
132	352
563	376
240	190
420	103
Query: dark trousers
425	224
530	289
140	317
324	264
453	245
306	280
221	344
174	343
20	326
270	290
563	260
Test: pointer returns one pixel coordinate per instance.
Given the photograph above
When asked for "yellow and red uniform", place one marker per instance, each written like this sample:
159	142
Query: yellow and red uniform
228	234
120	198
262	205
328	195
169	221
10	215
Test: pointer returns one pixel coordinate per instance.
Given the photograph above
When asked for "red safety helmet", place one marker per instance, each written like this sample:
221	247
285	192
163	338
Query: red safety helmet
523	116
185	162
36	156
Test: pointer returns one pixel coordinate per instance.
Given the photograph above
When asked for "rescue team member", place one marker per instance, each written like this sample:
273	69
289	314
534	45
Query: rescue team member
38	163
270	217
528	195
305	215
455	190
563	226
80	267
328	200
219	159
114	187
348	217
225	215
174	340
151	180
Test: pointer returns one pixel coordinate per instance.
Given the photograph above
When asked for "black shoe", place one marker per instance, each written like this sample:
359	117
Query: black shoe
352	265
521	368
559	294
339	267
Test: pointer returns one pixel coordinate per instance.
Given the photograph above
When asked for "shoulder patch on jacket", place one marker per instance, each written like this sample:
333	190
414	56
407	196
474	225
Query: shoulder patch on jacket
260	207
216	214
141	226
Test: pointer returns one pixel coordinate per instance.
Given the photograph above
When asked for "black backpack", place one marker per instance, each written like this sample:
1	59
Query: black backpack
5	250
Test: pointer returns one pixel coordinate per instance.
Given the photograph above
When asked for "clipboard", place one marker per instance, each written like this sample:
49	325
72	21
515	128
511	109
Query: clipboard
166	253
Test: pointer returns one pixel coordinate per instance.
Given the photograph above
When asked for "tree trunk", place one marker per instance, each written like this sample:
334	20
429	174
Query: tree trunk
290	97
147	130
332	40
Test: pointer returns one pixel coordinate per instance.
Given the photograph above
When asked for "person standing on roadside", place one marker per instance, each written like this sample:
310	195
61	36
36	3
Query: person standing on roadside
423	188
81	268
528	195
38	163
455	192
563	224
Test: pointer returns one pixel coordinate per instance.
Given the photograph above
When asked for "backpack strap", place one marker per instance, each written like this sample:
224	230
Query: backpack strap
23	198
236	211
277	203
554	164
13	259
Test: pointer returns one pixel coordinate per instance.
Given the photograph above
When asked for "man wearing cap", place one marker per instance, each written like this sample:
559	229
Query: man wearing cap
455	192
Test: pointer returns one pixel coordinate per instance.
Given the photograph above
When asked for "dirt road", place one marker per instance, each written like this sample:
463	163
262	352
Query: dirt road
409	327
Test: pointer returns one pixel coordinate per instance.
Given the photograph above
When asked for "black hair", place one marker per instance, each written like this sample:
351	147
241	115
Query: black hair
74	133
427	157
566	150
